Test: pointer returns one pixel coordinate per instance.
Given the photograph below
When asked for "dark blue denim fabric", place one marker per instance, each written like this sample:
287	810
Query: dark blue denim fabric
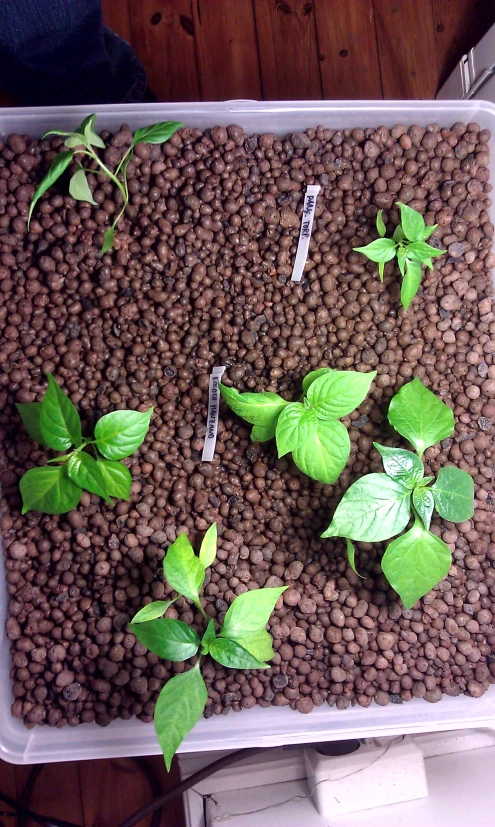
59	52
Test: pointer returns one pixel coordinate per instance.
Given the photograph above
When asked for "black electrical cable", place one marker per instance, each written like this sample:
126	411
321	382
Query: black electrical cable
152	808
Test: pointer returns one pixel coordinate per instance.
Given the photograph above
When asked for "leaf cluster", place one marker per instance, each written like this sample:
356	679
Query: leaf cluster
379	506
92	464
240	642
309	429
408	243
84	142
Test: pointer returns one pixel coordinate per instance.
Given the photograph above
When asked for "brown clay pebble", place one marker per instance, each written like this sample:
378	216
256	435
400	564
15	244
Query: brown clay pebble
200	276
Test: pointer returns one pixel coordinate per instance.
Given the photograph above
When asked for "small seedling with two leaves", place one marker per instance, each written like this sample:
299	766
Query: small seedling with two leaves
57	487
408	243
81	144
378	506
309	429
240	642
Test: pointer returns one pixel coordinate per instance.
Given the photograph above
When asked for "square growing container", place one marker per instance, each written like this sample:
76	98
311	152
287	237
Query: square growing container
255	727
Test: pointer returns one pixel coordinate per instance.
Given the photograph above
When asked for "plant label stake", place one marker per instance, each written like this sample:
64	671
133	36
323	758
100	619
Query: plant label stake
213	409
306	228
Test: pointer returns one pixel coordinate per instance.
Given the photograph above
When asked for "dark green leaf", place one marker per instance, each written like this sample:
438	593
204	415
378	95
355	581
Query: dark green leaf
295	425
30	414
383	249
157	133
152	611
257	408
183	570
380	226
262	433
420	251
179	707
89	119
208	638
231	654
49	490
339	392
79	188
85	471
414	563
400	464
324	454
423	503
168	638
208	550
59	420
249	613
57	167
412	222
120	433
454	494
351	554
118	479
410	282
108	240
373	509
419	416
311	377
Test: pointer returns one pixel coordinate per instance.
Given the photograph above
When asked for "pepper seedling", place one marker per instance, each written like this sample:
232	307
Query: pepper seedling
378	506
408	243
57	487
240	642
81	143
310	429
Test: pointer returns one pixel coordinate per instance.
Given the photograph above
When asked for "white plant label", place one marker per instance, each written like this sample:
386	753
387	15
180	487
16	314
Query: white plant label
213	409
306	228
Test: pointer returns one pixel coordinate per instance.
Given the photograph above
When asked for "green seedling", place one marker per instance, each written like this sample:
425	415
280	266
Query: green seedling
408	243
240	642
379	506
81	144
92	464
309	429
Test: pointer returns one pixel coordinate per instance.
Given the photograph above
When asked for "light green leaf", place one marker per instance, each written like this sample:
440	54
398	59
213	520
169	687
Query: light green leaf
91	136
57	167
59	420
79	187
259	645
454	494
380	226
208	638
311	377
157	133
401	465
351	554
108	240
410	282
398	234
383	249
425	481
55	132
231	654
339	392
420	251
183	570
423	503
89	119
381	270
49	489
208	550
86	472
30	413
75	140
262	433
419	416
120	433
414	563
118	479
295	425
168	638
257	408
249	613
401	260
178	709
152	611
373	509
428	232
412	222
324	454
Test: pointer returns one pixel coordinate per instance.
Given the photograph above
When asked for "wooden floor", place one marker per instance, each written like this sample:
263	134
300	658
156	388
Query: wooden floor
271	49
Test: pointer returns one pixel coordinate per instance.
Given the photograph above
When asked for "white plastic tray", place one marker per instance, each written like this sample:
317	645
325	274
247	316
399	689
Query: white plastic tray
256	727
